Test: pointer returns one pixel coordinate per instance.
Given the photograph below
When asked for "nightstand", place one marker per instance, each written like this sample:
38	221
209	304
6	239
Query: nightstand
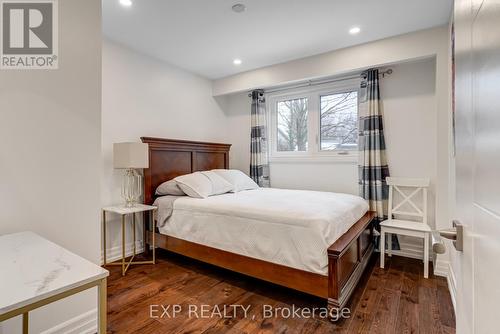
123	212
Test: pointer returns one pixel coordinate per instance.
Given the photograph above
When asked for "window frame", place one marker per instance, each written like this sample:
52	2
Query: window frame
313	95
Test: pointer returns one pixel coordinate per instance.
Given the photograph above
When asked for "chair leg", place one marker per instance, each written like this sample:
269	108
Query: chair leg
389	244
382	247
426	255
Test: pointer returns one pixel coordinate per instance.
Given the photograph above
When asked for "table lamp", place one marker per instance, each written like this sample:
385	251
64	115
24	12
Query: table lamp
131	156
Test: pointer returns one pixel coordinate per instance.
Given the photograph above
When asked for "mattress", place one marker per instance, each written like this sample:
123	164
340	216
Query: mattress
288	227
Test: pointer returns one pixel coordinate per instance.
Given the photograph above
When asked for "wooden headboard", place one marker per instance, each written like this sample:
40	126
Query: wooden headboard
169	158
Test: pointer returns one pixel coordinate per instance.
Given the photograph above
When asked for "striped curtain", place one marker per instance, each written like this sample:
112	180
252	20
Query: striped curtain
373	168
259	167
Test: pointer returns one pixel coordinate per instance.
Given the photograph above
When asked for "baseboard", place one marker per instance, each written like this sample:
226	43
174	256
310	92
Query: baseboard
85	323
441	268
410	249
115	253
452	287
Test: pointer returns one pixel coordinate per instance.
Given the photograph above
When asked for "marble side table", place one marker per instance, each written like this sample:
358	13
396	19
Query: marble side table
36	272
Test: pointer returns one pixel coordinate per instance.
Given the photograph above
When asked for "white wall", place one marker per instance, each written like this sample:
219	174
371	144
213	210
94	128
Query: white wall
237	110
50	123
325	176
142	96
410	127
410	112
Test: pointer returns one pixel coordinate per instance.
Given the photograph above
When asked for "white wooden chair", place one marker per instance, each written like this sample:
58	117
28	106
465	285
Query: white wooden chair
406	208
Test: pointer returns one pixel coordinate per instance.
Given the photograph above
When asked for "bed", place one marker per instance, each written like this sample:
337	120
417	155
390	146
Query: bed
321	248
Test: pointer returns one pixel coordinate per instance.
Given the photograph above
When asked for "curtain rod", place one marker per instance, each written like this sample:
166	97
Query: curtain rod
317	82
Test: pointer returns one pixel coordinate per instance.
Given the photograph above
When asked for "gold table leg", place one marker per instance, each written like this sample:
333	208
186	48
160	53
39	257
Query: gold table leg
25	323
102	291
131	261
126	264
154	232
24	311
133	223
104	235
123	245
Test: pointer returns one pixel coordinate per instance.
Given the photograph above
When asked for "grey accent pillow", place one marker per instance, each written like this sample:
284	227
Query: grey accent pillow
169	188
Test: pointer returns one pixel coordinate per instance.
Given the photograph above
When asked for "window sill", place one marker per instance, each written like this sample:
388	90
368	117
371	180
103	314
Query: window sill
339	158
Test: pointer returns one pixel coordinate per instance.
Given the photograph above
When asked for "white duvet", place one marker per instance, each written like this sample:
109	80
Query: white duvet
288	227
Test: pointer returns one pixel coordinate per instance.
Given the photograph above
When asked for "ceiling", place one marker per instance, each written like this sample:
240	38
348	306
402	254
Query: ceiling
205	36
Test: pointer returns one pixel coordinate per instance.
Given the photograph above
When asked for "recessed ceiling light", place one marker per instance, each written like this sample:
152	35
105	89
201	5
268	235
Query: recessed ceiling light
354	30
126	3
237	61
239	8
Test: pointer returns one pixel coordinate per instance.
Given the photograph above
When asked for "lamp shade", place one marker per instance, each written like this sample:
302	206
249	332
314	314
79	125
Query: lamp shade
130	155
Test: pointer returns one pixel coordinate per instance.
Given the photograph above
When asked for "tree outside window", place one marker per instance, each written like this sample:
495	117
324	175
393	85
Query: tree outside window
292	125
339	121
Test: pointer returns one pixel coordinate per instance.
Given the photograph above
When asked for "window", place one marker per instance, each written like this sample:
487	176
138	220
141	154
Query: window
292	125
316	122
339	121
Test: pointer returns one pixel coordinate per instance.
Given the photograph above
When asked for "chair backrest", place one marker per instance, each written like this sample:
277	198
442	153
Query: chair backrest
416	187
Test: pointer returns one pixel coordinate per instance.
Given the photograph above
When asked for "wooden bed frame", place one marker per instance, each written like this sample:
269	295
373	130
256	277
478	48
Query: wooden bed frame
347	257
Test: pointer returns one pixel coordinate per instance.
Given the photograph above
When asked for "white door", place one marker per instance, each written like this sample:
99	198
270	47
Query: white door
477	269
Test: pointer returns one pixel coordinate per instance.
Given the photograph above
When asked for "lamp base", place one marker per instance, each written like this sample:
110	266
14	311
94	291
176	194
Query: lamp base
129	204
131	187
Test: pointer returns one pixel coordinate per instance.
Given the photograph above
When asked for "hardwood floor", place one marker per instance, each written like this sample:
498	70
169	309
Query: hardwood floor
396	299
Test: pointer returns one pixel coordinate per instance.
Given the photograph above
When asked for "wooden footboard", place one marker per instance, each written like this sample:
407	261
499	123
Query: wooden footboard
305	281
347	260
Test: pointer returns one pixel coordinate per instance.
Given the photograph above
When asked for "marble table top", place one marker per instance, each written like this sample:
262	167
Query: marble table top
122	210
33	268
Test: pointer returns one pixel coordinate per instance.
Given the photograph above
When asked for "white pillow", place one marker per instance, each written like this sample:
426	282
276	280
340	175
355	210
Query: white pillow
203	184
219	184
237	178
169	188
